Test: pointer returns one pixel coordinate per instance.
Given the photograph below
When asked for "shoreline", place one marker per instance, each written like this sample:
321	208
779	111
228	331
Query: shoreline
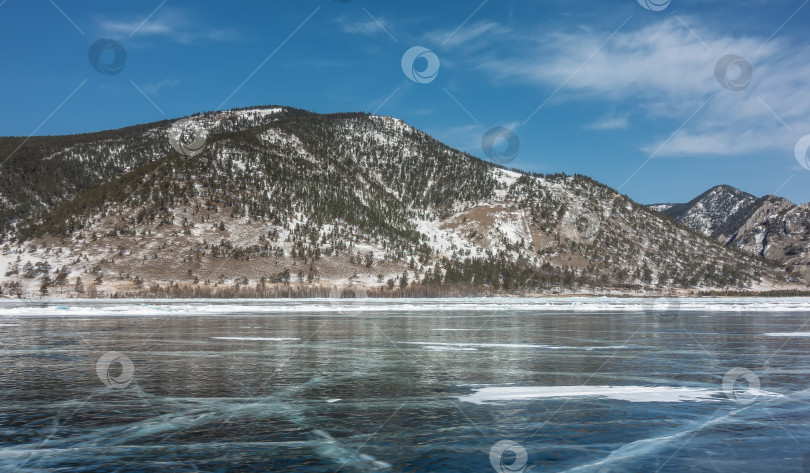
749	295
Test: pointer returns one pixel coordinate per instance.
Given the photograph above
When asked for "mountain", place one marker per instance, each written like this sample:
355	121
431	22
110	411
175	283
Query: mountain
771	227
246	201
710	211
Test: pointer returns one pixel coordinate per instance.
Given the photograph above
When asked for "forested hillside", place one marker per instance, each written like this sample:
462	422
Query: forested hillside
276	196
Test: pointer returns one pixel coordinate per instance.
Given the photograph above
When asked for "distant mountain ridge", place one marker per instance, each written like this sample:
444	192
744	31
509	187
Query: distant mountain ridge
710	211
274	195
768	226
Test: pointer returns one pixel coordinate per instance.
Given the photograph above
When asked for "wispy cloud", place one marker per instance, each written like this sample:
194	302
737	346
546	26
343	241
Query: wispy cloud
612	121
154	88
472	36
314	63
665	72
364	27
176	25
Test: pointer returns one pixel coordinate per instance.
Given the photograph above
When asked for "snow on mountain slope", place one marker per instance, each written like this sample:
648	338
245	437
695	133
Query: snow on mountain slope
287	197
660	207
711	210
771	227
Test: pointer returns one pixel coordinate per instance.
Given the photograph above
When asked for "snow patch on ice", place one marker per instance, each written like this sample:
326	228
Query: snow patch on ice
437	345
788	334
455	329
442	347
618	393
258	339
597	306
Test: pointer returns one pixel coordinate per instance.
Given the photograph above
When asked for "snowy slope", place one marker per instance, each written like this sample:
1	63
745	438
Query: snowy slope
284	196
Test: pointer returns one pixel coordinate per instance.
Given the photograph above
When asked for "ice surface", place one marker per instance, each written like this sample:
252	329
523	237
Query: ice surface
225	378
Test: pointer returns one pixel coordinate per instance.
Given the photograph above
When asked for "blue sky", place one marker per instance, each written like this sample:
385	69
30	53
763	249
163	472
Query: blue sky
625	94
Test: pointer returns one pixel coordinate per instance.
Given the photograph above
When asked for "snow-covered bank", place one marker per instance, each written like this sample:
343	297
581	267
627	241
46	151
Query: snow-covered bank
394	307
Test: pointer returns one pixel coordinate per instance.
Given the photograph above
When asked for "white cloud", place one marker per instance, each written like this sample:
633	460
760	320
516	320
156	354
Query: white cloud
174	24
154	88
611	122
470	36
368	27
667	72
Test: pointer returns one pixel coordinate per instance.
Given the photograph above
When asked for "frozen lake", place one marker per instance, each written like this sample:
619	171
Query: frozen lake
551	385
